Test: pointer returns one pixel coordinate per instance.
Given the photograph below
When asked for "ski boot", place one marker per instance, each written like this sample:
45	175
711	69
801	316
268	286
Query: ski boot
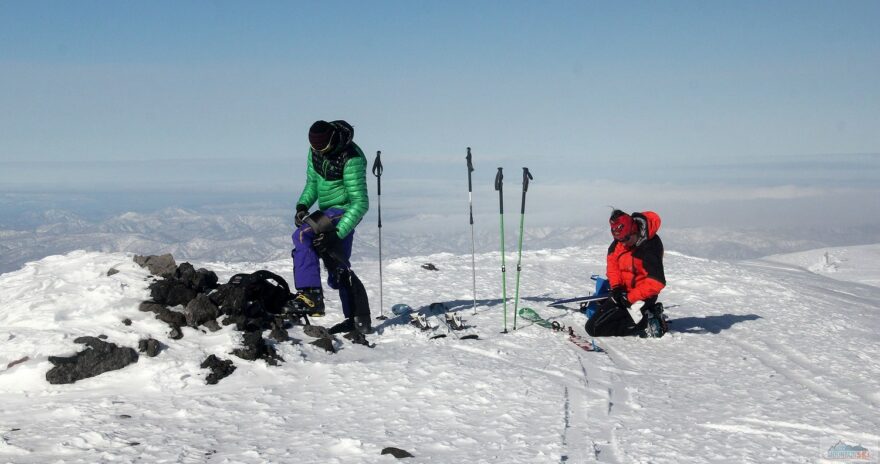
307	301
343	327
657	325
349	331
362	324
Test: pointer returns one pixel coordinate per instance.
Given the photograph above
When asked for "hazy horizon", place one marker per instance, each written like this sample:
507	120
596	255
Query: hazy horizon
733	117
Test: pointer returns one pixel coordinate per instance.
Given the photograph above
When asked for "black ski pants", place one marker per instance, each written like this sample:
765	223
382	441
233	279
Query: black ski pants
611	320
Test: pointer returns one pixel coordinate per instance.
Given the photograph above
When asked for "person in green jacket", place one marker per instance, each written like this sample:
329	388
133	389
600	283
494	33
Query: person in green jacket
336	180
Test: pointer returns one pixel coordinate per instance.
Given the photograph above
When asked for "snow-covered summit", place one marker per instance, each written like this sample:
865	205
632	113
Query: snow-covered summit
765	363
853	263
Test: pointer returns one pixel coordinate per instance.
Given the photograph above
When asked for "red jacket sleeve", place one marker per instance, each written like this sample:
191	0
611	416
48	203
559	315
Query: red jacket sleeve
612	267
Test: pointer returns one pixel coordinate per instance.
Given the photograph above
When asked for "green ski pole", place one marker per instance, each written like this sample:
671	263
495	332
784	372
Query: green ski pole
527	176
499	178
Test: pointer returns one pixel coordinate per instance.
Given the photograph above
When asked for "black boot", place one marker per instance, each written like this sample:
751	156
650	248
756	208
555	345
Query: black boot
363	325
343	327
657	325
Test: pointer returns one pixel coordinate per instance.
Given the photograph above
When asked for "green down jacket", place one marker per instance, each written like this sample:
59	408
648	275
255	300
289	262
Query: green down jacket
338	180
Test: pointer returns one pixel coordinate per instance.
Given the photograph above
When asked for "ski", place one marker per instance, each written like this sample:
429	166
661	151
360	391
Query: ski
602	291
581	299
583	343
454	323
419	319
432	318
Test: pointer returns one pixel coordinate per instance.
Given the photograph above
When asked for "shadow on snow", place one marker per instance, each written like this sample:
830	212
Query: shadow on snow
709	324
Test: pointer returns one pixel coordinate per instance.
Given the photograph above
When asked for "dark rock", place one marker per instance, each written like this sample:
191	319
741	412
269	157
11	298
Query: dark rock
150	347
162	266
325	344
176	333
18	361
256	348
200	310
99	357
212	325
279	333
159	290
180	295
317	331
150	306
172	318
112	271
397	452
205	280
220	368
185	272
171	292
126	321
429	267
102	337
201	280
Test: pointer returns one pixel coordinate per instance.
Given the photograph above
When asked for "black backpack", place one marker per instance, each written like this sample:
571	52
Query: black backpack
254	296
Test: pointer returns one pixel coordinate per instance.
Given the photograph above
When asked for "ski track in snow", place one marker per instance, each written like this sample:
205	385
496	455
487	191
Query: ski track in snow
767	361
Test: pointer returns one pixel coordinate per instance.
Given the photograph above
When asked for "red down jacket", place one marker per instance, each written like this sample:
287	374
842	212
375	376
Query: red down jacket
639	268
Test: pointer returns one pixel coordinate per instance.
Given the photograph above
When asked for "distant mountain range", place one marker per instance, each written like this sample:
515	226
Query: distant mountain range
264	235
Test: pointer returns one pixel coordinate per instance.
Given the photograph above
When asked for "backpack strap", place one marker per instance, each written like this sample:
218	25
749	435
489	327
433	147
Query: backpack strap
271	276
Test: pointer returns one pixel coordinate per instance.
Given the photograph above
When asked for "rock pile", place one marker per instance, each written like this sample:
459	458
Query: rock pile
182	296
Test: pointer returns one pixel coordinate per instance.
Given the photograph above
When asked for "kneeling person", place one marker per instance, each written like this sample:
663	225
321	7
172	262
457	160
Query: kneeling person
635	274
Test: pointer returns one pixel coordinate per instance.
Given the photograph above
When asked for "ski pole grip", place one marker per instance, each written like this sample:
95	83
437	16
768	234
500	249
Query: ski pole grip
377	164
499	180
470	165
377	171
527	176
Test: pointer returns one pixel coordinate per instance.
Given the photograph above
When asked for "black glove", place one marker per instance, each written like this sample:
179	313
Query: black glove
618	296
325	242
302	211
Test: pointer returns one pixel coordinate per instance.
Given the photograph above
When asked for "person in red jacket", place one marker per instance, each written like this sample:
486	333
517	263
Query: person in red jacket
635	274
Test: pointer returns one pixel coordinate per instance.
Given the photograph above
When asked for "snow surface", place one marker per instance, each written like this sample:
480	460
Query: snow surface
767	362
854	263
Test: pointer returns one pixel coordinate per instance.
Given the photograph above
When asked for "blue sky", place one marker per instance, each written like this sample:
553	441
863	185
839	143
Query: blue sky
647	96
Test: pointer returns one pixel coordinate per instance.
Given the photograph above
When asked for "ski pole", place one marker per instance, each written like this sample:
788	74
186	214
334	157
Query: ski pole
499	180
470	167
377	171
527	176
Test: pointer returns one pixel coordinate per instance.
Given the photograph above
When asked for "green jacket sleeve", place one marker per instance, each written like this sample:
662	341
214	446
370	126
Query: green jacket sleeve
310	192
354	180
